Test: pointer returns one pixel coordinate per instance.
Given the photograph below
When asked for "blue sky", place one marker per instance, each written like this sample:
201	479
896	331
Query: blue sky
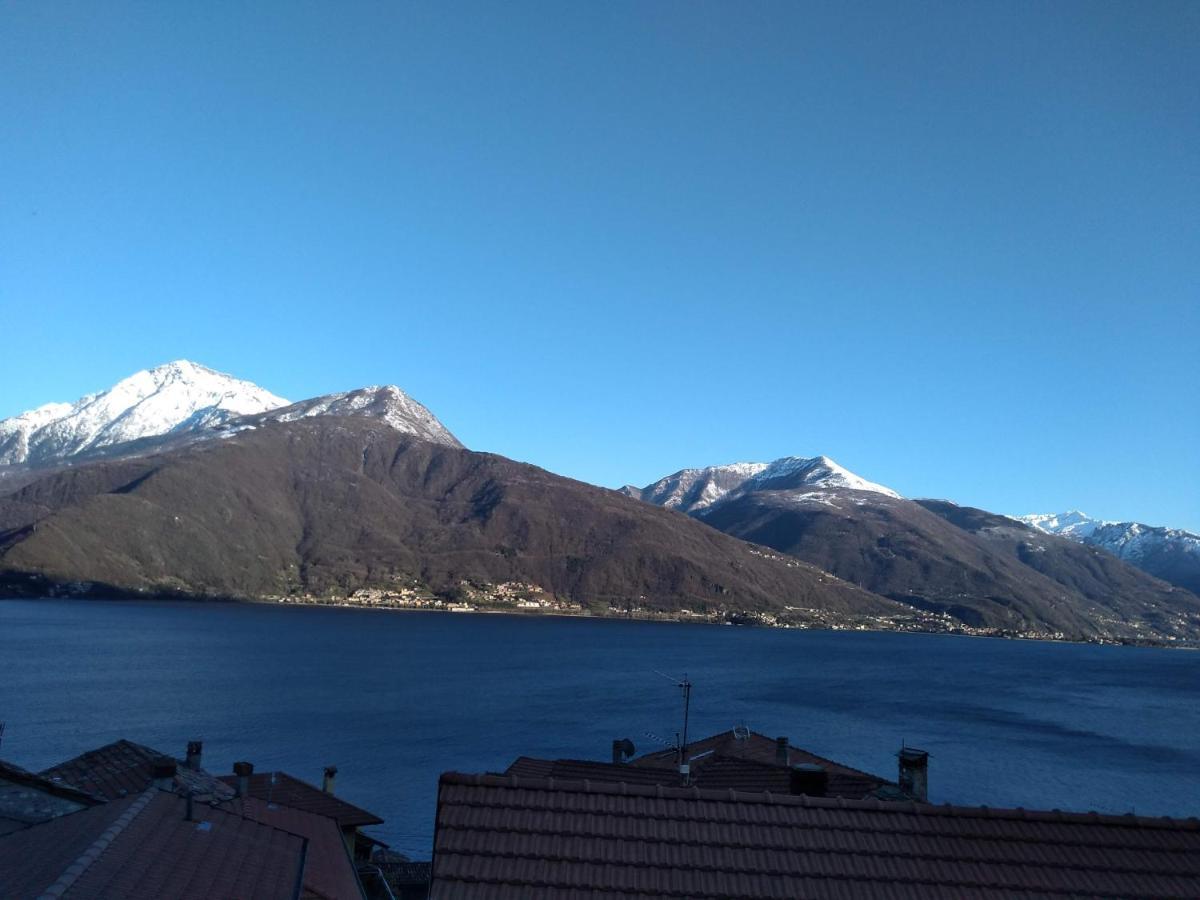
954	246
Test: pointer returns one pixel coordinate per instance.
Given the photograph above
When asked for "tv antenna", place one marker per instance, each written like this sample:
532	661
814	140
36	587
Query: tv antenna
685	769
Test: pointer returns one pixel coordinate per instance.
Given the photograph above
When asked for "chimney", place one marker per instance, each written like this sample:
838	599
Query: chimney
914	773
194	749
163	773
243	771
622	750
330	775
781	751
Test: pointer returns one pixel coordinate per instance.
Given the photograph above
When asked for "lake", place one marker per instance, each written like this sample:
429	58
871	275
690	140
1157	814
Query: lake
395	698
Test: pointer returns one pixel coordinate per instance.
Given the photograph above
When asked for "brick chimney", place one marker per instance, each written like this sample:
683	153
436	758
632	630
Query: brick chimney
243	771
163	773
914	773
330	775
781	751
194	750
809	779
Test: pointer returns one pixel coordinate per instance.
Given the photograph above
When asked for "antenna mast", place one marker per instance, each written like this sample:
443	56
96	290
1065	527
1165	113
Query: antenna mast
685	768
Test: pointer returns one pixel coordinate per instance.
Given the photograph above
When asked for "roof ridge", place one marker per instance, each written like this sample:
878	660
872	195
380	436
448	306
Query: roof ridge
72	873
826	759
767	797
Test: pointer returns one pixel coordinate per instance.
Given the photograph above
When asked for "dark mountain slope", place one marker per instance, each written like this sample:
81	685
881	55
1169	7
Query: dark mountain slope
336	503
905	551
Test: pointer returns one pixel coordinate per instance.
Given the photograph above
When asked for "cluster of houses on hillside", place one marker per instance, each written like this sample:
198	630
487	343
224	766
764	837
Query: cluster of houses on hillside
736	815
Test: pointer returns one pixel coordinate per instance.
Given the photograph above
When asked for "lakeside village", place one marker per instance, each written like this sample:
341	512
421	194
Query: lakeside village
527	598
735	815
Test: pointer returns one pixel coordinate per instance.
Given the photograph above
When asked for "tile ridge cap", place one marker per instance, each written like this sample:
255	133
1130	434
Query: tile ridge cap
96	849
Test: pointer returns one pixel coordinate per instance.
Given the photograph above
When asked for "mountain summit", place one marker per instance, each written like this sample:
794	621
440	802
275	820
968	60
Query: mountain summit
181	403
174	398
1171	554
694	490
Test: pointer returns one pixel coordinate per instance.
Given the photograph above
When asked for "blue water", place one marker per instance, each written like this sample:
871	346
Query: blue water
394	698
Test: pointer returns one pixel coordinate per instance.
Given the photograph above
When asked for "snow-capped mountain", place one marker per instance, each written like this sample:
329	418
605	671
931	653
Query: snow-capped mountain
386	402
1171	554
180	403
693	490
175	398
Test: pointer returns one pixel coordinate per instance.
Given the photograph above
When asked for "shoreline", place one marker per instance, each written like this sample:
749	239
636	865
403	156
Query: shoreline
664	618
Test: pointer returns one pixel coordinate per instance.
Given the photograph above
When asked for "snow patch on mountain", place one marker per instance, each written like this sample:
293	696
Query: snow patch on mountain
385	402
694	490
1169	553
174	398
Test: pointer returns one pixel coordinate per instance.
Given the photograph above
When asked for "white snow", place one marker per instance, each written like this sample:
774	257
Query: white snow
176	397
1131	541
693	490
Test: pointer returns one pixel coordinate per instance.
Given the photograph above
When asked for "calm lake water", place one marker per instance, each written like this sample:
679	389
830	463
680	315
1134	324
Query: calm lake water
395	698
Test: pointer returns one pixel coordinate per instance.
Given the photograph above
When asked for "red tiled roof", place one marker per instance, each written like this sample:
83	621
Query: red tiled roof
745	763
328	869
590	770
17	775
508	837
143	848
123	768
758	748
287	790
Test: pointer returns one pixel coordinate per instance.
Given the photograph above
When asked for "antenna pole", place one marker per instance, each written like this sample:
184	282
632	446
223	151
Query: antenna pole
684	768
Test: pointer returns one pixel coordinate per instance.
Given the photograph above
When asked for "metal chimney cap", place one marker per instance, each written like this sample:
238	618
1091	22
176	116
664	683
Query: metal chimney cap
243	768
913	755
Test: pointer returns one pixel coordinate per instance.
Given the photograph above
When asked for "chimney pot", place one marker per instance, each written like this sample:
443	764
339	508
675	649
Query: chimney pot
809	779
194	751
243	771
330	775
781	750
914	773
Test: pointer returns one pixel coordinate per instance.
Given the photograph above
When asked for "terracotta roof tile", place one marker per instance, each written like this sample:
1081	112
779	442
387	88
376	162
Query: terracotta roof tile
328	869
143	848
500	836
123	768
287	790
17	775
752	747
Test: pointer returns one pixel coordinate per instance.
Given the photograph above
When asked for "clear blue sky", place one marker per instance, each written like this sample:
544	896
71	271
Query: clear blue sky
954	246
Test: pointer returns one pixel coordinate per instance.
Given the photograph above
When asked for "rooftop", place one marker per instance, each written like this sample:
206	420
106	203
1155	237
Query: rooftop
287	790
530	838
328	869
143	847
123	768
750	746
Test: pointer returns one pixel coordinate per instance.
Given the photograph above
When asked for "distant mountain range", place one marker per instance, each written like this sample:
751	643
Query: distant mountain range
1171	554
183	481
977	567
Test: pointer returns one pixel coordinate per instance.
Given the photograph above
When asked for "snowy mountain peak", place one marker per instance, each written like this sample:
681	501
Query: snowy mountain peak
386	402
1072	523
176	397
1169	553
692	490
